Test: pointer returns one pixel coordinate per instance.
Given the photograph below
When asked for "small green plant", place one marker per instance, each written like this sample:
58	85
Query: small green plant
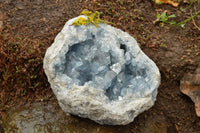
163	19
92	18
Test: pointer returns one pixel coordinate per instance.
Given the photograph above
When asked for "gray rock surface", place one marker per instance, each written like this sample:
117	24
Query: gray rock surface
101	74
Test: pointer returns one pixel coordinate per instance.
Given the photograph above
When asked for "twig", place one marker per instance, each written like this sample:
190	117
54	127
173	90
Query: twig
195	23
185	21
189	5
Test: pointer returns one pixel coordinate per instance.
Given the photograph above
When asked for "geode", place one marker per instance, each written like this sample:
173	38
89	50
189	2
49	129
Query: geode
100	73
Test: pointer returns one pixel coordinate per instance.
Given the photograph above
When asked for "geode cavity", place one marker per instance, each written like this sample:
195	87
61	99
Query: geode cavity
101	73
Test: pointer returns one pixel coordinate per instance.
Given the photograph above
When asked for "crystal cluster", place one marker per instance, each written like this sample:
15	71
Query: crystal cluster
107	66
101	73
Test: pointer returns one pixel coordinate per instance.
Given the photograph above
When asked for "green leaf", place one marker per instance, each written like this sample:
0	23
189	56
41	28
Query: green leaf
164	17
164	14
158	15
172	16
172	22
36	85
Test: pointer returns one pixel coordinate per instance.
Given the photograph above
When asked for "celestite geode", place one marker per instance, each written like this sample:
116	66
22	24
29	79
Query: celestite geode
100	73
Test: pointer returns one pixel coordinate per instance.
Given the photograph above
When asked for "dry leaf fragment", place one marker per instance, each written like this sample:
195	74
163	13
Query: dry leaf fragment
171	2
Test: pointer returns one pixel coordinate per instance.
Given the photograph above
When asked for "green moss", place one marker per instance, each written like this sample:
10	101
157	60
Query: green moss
92	18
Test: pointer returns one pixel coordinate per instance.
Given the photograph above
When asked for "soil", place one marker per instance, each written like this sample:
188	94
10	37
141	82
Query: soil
29	27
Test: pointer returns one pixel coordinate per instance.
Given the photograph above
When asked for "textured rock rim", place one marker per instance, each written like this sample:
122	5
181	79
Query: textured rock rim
90	102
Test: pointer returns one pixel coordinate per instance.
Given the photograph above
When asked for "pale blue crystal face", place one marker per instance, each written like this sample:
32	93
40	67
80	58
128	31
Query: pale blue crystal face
101	66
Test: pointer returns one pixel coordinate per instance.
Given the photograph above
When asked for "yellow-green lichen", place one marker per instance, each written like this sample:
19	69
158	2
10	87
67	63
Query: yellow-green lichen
92	18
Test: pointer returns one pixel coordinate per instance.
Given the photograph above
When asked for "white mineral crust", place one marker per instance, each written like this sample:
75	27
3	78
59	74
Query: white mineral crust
100	73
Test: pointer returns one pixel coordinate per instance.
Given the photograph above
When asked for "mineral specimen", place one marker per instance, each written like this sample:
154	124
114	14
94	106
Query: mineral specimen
100	73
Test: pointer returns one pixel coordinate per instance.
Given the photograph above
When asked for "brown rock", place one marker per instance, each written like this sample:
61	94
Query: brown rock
190	85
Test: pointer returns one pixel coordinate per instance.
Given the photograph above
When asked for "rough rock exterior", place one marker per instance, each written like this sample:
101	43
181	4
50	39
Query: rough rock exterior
100	73
190	85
